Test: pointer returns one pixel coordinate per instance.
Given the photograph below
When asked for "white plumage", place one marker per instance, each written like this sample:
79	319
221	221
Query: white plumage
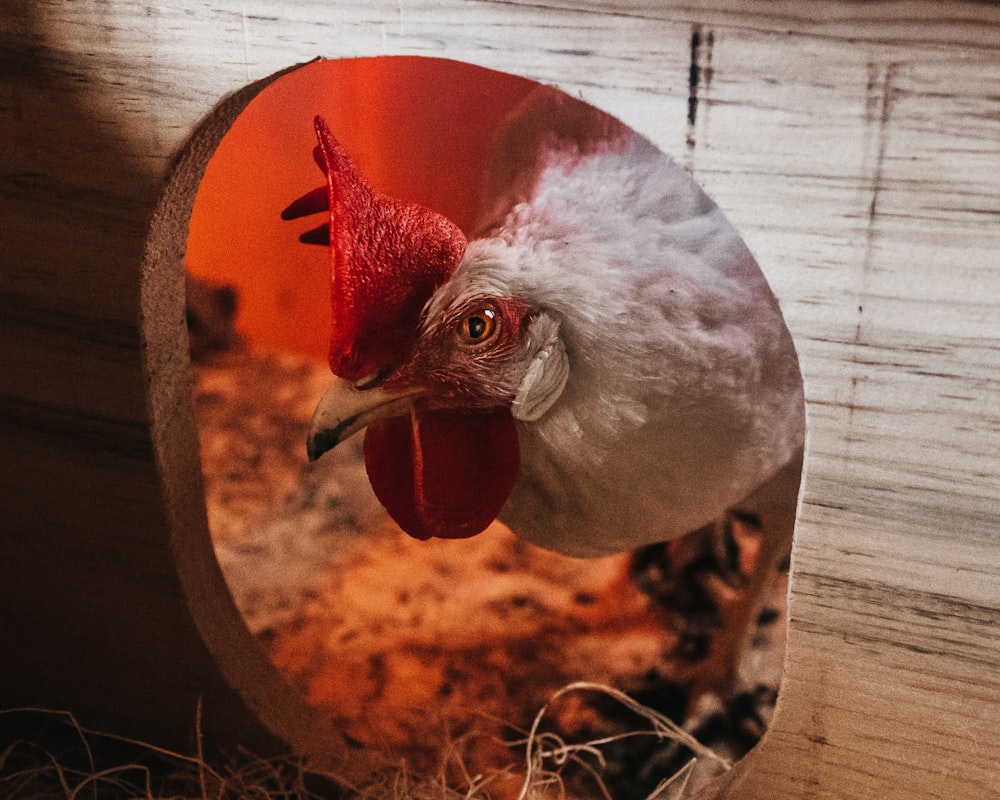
606	346
683	393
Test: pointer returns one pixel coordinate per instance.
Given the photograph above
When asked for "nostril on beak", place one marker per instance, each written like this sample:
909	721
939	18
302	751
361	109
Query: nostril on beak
372	380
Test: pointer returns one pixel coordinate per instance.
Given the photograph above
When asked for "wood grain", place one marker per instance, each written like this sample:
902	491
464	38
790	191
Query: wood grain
856	146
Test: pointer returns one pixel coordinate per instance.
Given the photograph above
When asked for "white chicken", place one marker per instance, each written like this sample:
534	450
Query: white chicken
603	366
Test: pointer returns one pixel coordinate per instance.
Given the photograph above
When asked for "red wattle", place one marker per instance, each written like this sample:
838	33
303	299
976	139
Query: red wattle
443	473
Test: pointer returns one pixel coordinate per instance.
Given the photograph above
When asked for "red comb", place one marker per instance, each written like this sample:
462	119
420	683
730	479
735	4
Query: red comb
387	258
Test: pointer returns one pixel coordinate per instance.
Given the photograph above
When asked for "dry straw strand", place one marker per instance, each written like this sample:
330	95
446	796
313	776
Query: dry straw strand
541	746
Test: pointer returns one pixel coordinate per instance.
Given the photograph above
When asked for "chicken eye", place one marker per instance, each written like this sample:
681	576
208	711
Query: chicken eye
478	327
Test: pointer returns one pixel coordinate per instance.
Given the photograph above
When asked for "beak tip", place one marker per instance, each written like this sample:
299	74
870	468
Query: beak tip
319	443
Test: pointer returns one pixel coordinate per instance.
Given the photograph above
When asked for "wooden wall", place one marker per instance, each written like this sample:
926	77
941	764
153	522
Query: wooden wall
856	146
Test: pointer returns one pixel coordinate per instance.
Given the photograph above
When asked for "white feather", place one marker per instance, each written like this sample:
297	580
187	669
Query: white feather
683	391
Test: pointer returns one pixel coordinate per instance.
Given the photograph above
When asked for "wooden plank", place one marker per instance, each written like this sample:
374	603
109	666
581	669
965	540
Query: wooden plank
113	604
856	146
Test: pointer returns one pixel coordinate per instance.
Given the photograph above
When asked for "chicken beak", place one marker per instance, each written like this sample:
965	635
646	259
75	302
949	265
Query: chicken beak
348	407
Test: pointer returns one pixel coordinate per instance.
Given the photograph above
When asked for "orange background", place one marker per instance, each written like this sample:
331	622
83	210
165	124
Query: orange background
419	128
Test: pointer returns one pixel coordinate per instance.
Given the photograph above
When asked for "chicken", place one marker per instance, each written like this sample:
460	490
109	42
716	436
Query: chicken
602	366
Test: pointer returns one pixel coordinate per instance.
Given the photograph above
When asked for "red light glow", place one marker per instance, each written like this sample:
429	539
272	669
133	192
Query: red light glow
419	128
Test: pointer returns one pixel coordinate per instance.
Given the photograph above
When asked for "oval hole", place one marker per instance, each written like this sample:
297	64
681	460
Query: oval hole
443	652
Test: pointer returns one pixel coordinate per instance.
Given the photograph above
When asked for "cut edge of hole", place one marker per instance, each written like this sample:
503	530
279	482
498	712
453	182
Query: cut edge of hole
284	718
282	711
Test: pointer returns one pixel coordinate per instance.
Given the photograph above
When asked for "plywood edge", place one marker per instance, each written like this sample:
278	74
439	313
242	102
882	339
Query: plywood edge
242	663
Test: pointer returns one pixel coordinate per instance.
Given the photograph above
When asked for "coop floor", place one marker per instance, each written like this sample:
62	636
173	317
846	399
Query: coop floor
440	654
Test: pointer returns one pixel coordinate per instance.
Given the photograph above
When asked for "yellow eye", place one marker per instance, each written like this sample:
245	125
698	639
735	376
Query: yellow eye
478	326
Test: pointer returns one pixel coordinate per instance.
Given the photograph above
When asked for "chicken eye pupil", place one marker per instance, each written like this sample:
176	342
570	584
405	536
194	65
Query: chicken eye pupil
477	327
